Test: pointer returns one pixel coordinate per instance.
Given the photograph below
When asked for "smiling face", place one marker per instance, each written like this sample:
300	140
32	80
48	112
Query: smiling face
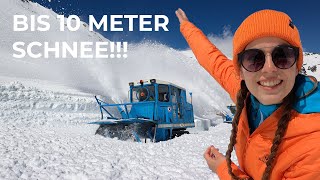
270	85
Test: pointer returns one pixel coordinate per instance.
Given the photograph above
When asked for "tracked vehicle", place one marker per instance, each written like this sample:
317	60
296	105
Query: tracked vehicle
158	111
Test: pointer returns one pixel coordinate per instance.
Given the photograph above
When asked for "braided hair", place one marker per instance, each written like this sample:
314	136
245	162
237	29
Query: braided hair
288	102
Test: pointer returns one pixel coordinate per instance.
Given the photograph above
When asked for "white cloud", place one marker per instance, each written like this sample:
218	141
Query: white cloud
223	41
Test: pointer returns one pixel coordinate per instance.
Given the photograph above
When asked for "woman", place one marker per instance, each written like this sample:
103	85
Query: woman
276	128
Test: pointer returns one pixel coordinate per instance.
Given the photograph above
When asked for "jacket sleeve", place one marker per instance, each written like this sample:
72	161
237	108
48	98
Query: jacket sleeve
211	58
223	174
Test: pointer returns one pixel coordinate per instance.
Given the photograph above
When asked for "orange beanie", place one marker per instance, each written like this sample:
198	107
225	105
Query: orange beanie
266	23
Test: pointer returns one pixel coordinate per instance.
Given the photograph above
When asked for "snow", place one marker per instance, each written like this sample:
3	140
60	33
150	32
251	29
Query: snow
44	135
46	105
310	60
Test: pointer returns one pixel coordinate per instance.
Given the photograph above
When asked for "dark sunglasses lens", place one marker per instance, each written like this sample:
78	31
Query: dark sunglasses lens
284	57
253	60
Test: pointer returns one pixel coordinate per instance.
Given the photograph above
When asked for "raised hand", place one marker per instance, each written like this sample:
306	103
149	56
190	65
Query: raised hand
181	15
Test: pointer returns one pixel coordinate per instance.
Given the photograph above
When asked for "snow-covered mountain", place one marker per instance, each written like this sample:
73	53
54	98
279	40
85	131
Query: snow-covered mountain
312	64
108	77
46	103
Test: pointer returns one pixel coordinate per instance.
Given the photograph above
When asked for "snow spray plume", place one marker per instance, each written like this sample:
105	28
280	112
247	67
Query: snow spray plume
163	63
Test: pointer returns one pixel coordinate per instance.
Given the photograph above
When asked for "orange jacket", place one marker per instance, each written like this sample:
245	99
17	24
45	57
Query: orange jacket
299	154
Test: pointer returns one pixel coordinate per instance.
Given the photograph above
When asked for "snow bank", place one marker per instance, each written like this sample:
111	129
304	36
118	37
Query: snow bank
39	140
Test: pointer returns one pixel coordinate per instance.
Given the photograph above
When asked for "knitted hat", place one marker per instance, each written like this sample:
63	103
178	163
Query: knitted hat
265	23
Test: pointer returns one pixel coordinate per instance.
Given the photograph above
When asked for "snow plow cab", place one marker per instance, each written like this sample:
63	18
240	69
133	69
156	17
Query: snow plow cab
229	117
226	116
157	110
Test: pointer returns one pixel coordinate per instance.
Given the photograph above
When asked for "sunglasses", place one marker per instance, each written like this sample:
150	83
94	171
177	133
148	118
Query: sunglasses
283	57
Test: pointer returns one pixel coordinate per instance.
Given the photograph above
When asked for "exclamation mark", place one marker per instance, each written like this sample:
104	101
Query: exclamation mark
112	49
125	49
118	49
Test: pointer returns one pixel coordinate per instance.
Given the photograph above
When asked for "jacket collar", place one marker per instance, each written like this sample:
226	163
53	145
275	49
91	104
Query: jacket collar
305	85
308	93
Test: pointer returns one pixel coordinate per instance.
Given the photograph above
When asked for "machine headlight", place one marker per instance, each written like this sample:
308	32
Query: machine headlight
153	80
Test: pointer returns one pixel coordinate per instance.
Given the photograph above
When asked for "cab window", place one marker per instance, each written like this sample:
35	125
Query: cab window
144	93
163	95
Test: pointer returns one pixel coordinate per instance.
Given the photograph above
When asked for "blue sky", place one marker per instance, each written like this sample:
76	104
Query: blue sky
210	16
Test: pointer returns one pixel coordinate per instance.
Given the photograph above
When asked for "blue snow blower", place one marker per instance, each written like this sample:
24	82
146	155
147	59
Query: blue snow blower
157	110
229	117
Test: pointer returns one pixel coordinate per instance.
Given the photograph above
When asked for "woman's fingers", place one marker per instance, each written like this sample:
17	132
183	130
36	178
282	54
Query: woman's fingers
207	153
211	152
213	157
181	15
214	150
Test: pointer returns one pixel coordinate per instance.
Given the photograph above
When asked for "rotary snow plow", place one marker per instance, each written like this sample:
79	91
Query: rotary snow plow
228	117
157	110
